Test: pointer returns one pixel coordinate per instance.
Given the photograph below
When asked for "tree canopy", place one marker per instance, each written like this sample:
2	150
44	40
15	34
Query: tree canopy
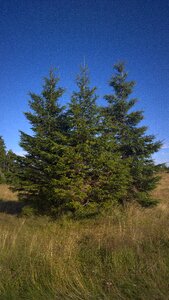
85	157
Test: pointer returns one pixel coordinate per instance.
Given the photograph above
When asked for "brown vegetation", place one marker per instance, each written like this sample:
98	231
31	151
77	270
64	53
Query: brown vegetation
6	193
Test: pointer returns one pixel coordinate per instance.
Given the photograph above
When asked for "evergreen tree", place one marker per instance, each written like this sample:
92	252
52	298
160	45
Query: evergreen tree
41	179
100	175
87	157
7	163
132	140
10	166
2	160
83	117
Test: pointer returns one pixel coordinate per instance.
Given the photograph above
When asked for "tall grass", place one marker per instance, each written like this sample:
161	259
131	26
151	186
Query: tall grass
124	255
6	193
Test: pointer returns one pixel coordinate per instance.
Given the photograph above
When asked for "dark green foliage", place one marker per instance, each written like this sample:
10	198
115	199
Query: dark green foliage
87	158
10	168
131	140
7	162
84	118
2	160
100	174
41	171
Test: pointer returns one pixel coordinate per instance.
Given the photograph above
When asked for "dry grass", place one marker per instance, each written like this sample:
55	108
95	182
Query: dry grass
6	193
162	192
121	256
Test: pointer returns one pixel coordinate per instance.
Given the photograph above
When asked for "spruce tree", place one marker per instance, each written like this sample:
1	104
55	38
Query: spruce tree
7	163
10	168
83	117
2	160
132	140
40	178
100	175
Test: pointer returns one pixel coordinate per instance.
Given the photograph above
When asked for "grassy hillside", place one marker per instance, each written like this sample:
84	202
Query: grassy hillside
121	256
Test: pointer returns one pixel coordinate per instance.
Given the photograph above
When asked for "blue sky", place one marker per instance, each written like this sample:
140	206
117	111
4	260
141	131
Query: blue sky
40	34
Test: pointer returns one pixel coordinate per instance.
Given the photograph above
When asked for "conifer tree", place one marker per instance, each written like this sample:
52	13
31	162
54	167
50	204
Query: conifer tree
2	160
7	163
10	166
83	116
41	178
132	140
100	174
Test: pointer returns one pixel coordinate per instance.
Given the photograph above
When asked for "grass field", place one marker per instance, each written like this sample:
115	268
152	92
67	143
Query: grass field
124	255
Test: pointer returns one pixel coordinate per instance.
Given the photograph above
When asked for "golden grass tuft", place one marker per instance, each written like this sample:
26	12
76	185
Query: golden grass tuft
162	190
6	193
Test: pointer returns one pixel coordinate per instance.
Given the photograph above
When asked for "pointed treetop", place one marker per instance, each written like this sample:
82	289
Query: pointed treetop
118	81
82	78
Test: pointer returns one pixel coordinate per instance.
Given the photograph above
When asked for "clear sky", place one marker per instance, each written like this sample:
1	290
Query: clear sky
39	34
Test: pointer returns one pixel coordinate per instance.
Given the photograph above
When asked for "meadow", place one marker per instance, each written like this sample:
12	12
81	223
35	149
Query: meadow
121	255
